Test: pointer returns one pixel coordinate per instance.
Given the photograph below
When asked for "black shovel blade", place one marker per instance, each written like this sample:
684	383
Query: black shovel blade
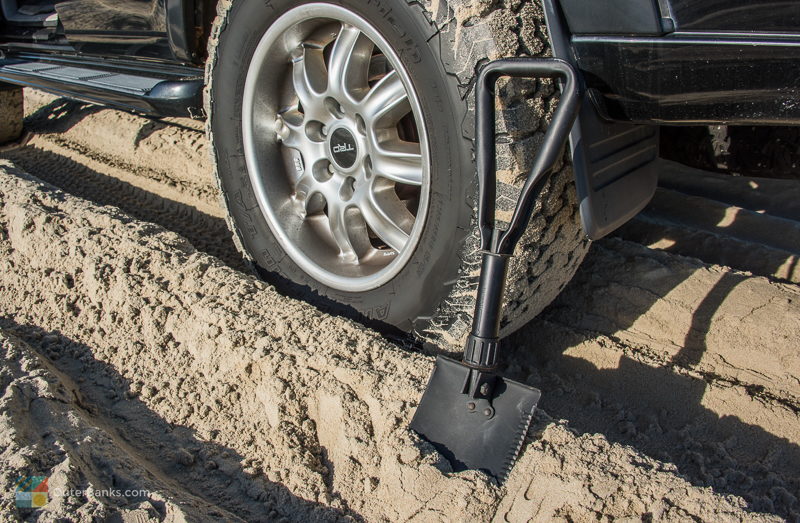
487	437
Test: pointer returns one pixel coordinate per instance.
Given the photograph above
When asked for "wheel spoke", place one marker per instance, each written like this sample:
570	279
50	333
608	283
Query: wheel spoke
292	132
387	100
349	64
303	185
309	78
339	230
310	151
383	224
400	162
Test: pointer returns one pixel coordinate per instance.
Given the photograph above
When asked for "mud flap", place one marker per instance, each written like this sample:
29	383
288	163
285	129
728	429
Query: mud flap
616	164
616	170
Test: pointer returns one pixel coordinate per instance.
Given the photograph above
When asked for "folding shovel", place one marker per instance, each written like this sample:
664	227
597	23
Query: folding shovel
474	417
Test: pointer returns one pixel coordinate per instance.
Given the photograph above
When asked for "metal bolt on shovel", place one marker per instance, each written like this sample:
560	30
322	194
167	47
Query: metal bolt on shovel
474	417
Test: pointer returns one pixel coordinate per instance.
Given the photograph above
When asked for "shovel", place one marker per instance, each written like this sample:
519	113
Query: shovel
474	417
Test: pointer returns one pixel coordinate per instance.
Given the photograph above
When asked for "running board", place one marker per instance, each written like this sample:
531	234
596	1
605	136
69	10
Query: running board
176	95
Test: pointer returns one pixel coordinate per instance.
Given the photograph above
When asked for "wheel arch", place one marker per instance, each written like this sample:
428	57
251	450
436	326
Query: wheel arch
189	25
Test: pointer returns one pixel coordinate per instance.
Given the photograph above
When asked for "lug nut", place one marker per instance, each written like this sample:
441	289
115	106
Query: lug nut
470	406
485	389
487	412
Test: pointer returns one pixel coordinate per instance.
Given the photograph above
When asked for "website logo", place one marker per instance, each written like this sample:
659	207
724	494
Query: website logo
31	491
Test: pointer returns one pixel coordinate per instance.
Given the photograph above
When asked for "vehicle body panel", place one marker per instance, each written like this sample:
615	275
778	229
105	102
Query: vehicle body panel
658	17
686	79
712	62
755	16
107	27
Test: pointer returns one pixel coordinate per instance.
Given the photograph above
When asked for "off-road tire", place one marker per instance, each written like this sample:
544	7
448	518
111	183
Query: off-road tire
434	295
11	114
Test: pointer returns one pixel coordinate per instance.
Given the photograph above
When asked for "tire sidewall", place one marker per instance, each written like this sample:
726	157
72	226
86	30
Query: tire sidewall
418	288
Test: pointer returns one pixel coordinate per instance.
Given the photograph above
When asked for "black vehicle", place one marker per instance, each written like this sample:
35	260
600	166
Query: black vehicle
342	130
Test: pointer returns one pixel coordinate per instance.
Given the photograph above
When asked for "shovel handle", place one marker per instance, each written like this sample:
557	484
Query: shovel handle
480	350
494	240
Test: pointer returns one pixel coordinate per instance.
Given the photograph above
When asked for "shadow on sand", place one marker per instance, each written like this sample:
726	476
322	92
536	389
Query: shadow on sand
191	471
656	410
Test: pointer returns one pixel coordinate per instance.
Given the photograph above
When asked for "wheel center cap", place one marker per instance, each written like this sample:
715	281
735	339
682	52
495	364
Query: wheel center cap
343	147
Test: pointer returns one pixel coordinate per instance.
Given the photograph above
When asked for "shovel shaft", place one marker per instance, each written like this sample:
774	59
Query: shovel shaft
486	322
481	349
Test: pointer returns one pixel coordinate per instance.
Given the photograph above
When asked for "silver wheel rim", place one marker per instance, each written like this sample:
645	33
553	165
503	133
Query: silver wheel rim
336	147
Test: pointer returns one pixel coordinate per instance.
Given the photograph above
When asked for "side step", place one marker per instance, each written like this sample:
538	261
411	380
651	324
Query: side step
169	95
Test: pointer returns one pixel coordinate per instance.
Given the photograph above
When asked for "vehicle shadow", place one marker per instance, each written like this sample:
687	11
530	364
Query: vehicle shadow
206	232
59	116
62	114
154	454
661	410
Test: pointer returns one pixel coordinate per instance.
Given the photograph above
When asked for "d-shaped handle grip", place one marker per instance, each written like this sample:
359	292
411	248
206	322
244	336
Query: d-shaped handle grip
495	240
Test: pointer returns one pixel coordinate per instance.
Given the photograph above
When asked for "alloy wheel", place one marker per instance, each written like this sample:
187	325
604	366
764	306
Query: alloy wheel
336	147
